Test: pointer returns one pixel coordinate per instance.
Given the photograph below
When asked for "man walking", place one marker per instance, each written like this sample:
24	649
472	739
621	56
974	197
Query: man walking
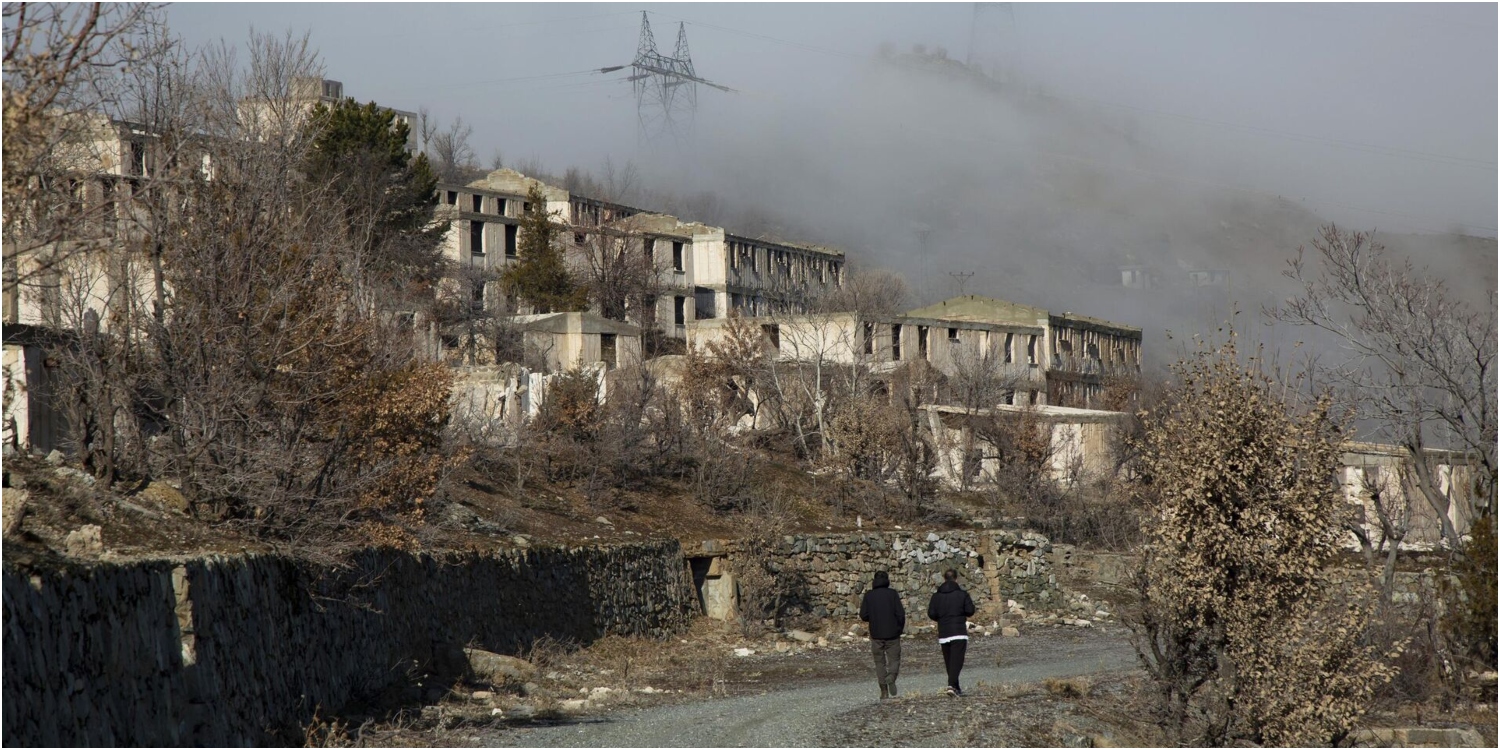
951	607
882	609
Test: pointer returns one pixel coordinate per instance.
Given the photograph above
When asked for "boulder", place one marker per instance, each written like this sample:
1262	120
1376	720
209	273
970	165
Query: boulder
573	704
499	670
55	458
802	636
13	508
1010	632
87	540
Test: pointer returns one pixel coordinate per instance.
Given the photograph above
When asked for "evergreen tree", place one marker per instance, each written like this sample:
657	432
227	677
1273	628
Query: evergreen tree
387	193
540	278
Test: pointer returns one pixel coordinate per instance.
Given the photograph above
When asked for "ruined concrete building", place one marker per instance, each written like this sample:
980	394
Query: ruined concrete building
1045	358
705	272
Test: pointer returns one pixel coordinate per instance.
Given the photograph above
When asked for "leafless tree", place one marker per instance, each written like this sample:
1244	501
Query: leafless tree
449	150
623	277
1420	363
62	66
222	338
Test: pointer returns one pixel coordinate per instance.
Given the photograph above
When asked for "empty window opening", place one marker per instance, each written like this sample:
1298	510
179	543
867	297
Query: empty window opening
510	240
452	197
607	351
869	338
476	297
676	256
679	310
650	246
500	206
1030	350
773	335
478	203
137	158
578	238
1009	339
476	238
953	335
896	342
921	342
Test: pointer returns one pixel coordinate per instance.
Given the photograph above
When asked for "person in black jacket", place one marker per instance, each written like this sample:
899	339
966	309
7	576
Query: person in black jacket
882	609
951	607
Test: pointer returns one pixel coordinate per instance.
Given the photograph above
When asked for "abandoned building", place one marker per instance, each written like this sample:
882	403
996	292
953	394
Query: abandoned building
1082	442
1059	359
570	340
1376	473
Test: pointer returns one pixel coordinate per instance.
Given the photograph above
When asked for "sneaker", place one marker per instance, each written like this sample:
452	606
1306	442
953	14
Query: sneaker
893	688
950	692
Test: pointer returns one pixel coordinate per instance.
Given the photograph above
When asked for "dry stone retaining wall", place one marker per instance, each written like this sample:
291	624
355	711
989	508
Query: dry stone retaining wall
236	650
828	574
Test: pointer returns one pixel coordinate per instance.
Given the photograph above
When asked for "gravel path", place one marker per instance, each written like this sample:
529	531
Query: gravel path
794	717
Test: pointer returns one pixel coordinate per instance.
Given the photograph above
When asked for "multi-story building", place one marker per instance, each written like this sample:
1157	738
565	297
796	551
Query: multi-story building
705	271
1046	358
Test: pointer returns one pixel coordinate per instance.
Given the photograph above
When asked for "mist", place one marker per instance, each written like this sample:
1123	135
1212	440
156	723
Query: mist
1178	138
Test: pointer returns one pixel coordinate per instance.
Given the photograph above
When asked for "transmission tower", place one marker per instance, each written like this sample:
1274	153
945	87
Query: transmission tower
993	41
666	88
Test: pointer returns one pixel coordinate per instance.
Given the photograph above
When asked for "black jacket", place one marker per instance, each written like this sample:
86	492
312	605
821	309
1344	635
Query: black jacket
951	607
882	609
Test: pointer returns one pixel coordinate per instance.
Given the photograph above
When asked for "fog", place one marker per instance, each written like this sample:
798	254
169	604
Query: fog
1178	138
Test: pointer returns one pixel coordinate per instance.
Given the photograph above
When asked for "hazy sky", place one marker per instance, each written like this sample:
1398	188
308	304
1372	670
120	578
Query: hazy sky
1375	115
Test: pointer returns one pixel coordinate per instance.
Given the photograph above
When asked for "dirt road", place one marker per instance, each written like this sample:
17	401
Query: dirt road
808	713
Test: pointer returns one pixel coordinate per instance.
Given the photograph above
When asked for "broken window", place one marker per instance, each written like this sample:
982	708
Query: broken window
607	350
476	238
138	158
896	342
476	297
773	334
677	256
510	240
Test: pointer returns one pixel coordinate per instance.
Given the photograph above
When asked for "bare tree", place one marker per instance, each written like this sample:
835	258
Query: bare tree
1420	363
62	98
223	339
623	277
449	151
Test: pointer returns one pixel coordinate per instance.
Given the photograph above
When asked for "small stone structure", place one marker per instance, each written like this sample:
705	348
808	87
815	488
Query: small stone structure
239	650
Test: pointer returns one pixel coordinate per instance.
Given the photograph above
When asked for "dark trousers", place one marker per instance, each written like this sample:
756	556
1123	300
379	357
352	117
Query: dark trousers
953	658
887	660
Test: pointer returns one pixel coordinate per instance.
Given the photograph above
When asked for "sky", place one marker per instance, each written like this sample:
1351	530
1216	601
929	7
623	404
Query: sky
1375	115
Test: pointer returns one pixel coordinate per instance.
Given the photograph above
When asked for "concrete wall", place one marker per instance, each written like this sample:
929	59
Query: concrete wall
240	649
830	573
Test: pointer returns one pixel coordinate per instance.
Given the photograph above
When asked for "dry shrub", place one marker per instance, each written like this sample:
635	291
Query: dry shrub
1470	623
1237	626
1069	687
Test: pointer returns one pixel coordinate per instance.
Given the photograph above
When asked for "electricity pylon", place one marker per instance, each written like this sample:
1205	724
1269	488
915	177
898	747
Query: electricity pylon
666	88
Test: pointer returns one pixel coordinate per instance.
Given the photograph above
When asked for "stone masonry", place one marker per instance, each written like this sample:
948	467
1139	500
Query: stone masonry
238	650
830	573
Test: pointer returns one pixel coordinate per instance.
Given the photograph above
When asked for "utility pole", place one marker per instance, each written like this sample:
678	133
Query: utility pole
961	277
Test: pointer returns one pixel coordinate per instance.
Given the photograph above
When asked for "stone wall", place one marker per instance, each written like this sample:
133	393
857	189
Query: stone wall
829	574
237	650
